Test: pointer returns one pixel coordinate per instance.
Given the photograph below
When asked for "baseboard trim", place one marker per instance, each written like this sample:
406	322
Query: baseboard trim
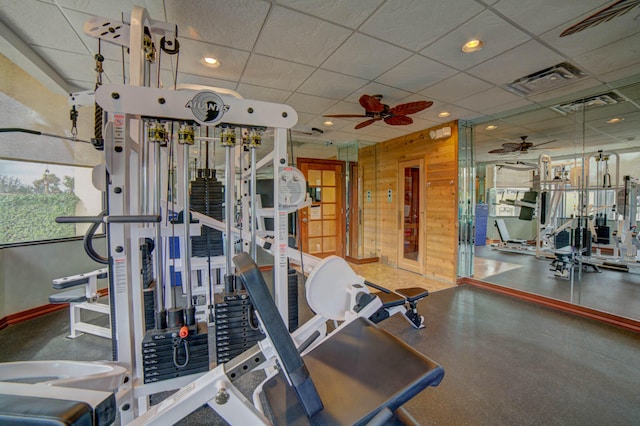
582	311
362	261
19	317
38	311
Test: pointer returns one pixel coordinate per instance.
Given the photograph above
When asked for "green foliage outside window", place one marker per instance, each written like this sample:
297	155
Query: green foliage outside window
28	212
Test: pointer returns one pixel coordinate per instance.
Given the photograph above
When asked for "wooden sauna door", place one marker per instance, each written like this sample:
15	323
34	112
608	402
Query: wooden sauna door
411	217
322	225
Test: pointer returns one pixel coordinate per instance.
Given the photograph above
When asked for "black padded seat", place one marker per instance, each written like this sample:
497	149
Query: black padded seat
21	410
389	300
75	295
357	372
413	294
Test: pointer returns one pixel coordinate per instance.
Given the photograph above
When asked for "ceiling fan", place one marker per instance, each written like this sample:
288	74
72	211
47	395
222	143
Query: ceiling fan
518	147
376	111
618	8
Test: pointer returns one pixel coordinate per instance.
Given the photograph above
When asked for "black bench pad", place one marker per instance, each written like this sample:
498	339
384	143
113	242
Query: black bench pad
413	294
75	295
62	283
389	300
19	410
357	372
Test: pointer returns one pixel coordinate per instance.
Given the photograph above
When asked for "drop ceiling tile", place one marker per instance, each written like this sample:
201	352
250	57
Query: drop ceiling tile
534	116
115	8
594	37
415	23
607	59
305	117
383	131
391	95
226	22
184	78
348	136
267	94
309	104
318	122
350	13
616	110
297	37
457	113
415	74
41	24
518	103
360	56
619	74
232	61
73	66
521	61
497	34
456	87
276	73
489	99
331	84
539	16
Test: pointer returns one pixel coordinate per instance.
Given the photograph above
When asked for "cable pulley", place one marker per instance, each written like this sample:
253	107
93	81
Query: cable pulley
186	135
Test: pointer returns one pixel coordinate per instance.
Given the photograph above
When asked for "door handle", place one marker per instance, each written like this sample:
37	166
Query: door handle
305	220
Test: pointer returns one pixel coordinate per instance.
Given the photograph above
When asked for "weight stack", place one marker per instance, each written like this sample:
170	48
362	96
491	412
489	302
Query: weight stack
166	356
207	197
603	233
292	293
235	332
148	283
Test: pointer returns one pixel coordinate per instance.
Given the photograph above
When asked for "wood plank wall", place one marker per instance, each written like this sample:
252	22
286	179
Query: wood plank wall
378	165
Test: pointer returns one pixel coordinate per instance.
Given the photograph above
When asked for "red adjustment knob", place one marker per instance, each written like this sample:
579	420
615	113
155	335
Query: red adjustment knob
184	331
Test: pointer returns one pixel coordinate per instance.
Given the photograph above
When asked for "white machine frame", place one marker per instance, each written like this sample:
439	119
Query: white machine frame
76	324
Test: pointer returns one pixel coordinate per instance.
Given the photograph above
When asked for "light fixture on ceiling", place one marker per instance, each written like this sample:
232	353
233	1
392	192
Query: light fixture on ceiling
472	46
615	120
444	114
211	61
328	123
491	127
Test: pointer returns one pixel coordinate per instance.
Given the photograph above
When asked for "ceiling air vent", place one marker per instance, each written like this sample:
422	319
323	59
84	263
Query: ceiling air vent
547	79
603	99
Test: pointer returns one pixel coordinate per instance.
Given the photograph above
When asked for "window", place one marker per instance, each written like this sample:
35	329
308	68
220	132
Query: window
32	195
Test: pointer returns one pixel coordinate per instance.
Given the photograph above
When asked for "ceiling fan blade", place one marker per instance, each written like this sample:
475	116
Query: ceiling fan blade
513	146
543	143
502	151
410	107
371	103
398	120
618	8
345	115
366	123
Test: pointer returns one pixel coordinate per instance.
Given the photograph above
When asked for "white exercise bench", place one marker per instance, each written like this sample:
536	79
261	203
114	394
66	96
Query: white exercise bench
82	295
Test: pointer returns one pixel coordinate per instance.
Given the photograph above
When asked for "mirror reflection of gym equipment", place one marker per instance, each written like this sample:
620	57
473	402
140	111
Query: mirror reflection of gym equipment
233	280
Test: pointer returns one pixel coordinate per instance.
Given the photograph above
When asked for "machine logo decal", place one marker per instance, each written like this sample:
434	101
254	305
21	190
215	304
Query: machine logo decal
207	107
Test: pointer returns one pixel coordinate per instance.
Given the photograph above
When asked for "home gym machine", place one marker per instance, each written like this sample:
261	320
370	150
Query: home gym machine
146	132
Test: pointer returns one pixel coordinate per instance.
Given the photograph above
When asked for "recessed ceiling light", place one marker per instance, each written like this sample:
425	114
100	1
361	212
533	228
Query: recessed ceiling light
472	46
615	120
328	123
211	61
444	114
491	127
